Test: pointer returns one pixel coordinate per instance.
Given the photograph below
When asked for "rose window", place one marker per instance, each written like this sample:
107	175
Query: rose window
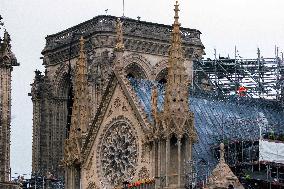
118	153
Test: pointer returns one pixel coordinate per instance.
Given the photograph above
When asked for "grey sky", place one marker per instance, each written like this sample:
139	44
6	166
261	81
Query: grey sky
248	24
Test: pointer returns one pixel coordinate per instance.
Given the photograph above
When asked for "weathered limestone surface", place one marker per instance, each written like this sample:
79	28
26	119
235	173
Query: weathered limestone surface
9	185
222	176
120	134
7	61
115	114
145	56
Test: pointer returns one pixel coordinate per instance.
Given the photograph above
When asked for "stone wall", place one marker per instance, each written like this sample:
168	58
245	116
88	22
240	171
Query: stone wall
7	185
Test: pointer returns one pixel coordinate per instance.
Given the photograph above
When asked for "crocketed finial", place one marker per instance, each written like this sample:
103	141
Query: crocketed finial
176	13
119	36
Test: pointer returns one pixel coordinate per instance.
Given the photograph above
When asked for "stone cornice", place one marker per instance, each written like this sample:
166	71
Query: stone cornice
131	27
140	36
137	45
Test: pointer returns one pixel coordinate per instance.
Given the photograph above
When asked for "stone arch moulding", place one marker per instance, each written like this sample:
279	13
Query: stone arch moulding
140	62
60	80
172	134
160	70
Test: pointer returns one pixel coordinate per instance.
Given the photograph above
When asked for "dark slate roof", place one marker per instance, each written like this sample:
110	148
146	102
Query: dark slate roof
233	118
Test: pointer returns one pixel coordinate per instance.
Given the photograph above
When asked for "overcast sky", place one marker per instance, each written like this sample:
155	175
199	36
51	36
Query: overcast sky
248	24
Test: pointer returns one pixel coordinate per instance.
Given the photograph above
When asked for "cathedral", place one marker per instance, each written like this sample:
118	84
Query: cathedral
96	125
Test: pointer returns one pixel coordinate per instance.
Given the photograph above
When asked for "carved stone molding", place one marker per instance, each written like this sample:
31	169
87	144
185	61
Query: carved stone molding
131	45
92	185
90	163
141	37
160	70
131	27
99	117
141	62
71	153
60	79
143	173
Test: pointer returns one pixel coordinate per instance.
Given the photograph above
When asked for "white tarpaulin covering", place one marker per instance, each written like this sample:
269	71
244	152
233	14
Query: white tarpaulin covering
271	151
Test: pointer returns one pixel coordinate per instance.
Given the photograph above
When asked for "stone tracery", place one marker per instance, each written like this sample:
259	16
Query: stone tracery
118	153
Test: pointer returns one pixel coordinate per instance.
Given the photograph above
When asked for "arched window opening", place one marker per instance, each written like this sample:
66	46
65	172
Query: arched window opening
162	81
130	76
70	97
162	76
135	71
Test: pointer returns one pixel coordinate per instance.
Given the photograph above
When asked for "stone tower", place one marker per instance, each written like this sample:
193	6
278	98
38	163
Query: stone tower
142	55
7	61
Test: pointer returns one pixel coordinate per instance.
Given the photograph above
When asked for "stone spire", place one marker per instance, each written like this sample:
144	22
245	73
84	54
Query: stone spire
175	126
222	176
119	47
176	119
176	97
80	111
176	115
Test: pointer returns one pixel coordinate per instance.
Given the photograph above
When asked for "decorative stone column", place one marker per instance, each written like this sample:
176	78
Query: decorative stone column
159	162
167	160
190	149
179	161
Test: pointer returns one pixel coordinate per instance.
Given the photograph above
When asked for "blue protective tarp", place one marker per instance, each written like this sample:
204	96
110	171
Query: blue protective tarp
232	118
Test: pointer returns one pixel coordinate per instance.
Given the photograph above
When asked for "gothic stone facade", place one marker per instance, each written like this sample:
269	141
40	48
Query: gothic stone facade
115	114
7	61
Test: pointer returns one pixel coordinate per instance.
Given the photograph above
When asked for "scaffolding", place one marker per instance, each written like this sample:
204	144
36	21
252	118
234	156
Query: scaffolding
261	80
237	121
261	77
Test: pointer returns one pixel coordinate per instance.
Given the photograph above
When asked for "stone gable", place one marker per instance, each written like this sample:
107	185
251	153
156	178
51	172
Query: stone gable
118	119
